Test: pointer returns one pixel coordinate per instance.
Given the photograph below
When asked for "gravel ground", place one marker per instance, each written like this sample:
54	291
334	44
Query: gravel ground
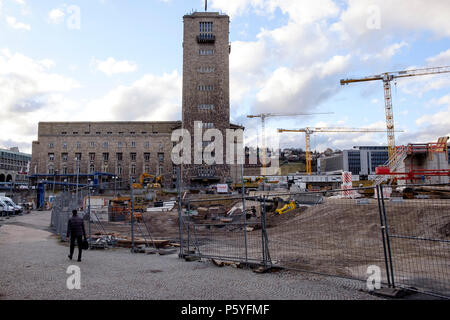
33	265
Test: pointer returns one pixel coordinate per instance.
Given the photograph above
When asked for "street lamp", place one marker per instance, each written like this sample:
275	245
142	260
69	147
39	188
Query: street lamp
115	188
55	173
78	175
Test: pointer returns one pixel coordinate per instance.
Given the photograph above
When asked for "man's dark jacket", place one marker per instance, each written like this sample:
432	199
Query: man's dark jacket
75	227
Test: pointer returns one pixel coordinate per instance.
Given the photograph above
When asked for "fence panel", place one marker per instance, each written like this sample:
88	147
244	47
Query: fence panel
328	234
227	233
419	235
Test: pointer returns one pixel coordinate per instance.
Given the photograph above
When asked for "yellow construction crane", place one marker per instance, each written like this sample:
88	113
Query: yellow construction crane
309	131
263	117
387	77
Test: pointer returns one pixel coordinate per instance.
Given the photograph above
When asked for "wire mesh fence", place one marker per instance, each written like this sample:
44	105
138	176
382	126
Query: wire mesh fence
226	228
344	233
419	236
339	233
335	236
127	218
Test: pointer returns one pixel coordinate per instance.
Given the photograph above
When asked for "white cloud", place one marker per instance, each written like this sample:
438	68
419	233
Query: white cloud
56	16
440	60
30	92
300	89
233	8
150	98
13	23
110	66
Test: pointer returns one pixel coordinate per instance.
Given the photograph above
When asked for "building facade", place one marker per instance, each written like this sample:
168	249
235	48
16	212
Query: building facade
361	160
128	149
14	166
122	149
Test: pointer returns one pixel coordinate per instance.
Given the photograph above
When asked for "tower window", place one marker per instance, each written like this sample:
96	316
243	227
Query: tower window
205	70
209	52
205	88
206	27
205	125
205	107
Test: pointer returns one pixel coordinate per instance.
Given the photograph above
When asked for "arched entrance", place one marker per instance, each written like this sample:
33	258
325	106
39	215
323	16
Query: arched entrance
9	178
2	178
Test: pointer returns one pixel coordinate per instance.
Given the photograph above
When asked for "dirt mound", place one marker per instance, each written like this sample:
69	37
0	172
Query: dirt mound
274	219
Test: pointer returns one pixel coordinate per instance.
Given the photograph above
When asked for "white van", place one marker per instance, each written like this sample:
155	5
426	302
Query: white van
5	209
8	201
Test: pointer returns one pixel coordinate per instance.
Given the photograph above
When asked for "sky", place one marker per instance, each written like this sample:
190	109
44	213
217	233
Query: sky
104	60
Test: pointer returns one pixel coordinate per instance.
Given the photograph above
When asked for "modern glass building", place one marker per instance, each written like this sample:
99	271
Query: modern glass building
363	160
359	160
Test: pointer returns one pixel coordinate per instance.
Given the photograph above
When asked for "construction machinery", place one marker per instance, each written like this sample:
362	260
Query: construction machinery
147	180
387	78
287	208
309	131
120	208
263	117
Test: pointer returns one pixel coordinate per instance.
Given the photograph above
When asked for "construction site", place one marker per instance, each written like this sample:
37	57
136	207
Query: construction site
390	210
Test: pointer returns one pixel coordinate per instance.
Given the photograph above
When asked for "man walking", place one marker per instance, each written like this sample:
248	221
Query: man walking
75	230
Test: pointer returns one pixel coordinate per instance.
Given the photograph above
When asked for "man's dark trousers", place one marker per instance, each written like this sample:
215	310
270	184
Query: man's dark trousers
79	240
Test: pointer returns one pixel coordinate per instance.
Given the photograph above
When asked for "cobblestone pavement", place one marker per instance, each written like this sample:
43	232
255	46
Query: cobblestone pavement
33	264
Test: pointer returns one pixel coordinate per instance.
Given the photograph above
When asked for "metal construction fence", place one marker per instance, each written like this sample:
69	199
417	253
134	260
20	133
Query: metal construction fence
120	219
343	233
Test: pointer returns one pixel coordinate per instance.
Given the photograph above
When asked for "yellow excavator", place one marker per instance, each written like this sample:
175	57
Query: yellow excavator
148	181
287	208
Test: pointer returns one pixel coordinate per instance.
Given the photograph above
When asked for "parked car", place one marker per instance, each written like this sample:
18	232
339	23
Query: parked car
6	209
3	209
8	201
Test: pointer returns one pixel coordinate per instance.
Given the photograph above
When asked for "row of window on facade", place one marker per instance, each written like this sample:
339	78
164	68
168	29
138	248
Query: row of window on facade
92	157
206	172
12	156
13	162
119	170
120	144
13	168
98	133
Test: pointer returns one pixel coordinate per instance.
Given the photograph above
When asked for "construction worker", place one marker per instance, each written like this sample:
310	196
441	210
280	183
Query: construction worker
76	231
